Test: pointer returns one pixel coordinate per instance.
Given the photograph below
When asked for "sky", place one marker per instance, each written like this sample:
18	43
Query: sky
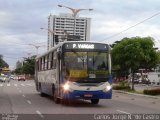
21	20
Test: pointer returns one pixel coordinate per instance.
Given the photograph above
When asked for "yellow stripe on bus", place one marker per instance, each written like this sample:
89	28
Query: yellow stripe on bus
78	73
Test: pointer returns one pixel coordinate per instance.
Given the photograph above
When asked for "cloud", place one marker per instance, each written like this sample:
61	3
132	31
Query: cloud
4	19
20	22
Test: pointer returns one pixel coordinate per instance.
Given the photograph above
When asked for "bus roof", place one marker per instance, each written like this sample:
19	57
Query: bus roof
61	44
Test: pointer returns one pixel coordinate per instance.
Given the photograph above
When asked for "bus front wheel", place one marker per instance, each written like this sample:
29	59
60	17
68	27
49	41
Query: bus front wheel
94	101
56	99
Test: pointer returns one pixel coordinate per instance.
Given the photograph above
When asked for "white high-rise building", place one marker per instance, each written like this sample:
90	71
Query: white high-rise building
65	25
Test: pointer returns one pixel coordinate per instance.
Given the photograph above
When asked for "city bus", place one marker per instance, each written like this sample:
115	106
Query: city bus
75	70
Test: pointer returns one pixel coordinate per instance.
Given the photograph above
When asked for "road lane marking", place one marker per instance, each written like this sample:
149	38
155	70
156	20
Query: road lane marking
15	85
29	84
40	114
22	84
8	84
29	102
1	85
123	112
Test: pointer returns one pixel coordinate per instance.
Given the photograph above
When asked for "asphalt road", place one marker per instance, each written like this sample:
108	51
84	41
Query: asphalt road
22	99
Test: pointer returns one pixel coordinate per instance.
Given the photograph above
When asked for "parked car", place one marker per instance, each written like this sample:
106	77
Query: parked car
136	81
2	79
146	81
5	78
12	77
21	77
15	77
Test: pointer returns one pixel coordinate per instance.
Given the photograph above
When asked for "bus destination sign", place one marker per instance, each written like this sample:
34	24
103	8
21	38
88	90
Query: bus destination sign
83	46
86	46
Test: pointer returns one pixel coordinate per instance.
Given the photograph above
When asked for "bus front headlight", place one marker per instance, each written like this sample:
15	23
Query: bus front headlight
107	88
66	86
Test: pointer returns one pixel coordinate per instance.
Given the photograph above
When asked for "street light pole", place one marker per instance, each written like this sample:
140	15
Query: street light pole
53	32
75	12
37	47
52	35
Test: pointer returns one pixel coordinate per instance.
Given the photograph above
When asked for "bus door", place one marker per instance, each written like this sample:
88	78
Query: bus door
36	75
58	81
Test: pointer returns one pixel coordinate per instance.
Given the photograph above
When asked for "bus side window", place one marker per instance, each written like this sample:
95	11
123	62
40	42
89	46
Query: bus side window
38	67
42	63
49	60
54	60
45	64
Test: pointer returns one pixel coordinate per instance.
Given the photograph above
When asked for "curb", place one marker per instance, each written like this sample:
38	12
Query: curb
149	96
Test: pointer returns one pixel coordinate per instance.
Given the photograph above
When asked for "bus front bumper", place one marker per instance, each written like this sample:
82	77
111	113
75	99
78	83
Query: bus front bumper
88	95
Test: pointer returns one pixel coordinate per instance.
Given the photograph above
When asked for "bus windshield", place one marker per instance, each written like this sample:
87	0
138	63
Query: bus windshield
88	66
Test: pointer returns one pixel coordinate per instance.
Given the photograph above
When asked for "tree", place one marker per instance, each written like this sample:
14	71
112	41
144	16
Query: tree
134	53
29	65
2	62
18	71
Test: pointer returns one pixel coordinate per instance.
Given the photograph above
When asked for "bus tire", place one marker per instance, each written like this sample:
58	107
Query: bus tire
53	91
94	101
66	101
56	99
43	94
40	89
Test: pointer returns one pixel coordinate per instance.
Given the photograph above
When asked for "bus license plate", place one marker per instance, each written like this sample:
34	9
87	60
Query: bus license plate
88	95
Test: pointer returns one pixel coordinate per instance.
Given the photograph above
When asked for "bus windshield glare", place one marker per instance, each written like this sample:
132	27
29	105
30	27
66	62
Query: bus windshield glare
89	66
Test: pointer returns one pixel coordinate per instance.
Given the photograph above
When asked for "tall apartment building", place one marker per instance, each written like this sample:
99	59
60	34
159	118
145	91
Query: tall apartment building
64	25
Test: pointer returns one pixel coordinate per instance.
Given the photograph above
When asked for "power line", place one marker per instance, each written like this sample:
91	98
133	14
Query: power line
114	35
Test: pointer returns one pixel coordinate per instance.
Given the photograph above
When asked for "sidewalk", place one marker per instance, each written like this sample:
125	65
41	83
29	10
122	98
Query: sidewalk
136	94
140	88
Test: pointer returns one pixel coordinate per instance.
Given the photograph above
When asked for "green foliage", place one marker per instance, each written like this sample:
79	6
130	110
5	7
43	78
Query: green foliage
2	62
152	91
158	56
28	66
122	86
18	71
135	53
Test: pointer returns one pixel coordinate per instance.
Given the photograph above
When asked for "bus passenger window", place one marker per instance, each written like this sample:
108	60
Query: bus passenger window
49	61
54	63
45	64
